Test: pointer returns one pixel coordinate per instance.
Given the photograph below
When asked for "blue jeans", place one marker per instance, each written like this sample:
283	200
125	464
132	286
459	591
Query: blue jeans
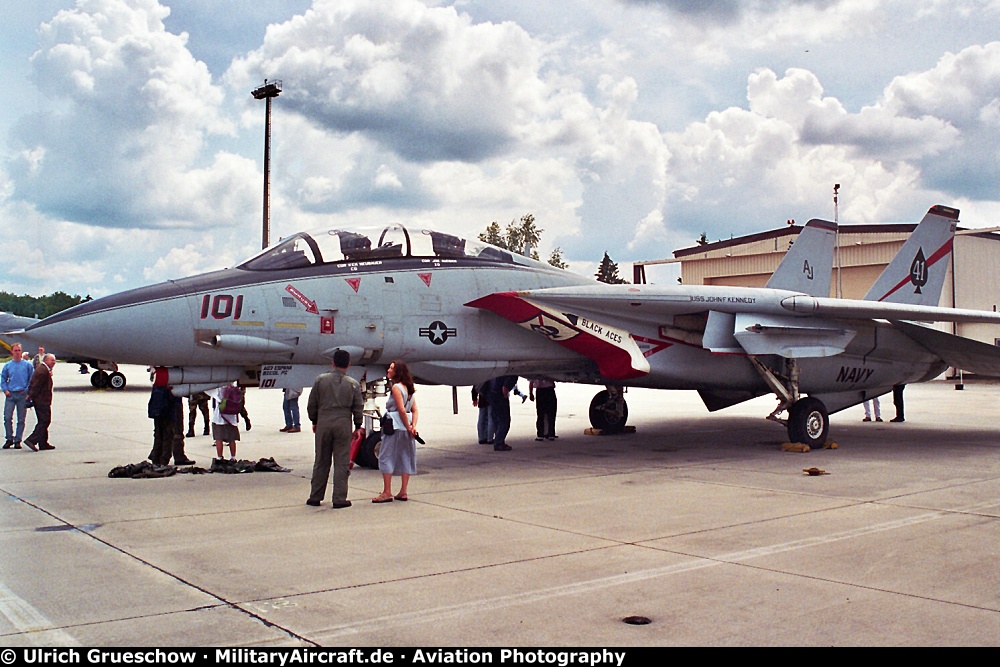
291	409
485	426
500	412
15	400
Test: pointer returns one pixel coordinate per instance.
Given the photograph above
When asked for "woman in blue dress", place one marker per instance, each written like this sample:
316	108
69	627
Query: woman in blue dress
398	452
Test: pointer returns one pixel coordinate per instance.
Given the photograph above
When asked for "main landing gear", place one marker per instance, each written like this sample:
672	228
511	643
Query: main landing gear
808	422
608	410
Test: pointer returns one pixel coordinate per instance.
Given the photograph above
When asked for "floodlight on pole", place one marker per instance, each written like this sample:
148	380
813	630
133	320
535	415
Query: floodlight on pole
266	92
836	222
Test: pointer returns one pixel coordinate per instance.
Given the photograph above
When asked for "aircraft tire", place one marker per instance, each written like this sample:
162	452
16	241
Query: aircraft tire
99	379
808	422
603	414
366	457
117	380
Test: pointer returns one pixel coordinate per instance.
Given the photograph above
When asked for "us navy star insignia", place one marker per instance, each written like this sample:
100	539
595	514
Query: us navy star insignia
438	332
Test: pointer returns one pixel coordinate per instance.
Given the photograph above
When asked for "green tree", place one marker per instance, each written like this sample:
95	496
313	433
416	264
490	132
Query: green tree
607	272
518	235
494	236
556	259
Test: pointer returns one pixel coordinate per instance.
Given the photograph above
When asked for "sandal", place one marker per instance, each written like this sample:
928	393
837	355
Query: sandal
401	498
382	499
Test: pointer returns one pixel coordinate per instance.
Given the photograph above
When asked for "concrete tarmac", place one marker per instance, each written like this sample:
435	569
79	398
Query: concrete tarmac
698	522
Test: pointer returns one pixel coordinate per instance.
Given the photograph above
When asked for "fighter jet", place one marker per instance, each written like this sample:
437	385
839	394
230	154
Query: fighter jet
461	311
106	373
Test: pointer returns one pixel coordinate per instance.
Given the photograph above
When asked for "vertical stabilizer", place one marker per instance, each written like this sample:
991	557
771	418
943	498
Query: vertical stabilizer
808	265
916	274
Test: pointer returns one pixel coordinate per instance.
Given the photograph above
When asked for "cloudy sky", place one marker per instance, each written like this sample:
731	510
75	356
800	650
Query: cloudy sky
132	150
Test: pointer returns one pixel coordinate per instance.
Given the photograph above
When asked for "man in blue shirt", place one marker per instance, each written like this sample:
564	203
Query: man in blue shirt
14	380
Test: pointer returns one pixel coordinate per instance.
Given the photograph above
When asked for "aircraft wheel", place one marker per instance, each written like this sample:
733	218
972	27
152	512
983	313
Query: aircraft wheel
604	412
808	422
367	457
116	380
99	379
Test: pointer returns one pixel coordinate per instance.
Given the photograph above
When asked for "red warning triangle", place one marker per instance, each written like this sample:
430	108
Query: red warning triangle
426	277
354	283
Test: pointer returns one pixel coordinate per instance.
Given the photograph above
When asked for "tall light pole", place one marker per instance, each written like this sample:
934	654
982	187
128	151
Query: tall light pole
266	92
836	221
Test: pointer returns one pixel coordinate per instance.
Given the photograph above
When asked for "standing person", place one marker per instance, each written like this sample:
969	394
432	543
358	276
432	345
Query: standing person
226	406
177	429
544	390
897	401
290	406
40	395
499	396
334	400
39	358
398	453
14	380
160	409
868	410
197	402
485	426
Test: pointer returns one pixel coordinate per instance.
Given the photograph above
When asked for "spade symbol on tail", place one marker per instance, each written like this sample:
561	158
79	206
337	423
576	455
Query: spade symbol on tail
918	270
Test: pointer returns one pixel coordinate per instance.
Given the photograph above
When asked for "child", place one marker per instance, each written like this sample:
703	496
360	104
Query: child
226	405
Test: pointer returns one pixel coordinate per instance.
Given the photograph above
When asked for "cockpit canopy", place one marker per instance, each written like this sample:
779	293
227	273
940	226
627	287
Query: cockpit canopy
395	241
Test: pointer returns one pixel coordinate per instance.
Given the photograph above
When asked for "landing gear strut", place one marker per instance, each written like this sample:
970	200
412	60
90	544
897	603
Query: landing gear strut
608	410
808	421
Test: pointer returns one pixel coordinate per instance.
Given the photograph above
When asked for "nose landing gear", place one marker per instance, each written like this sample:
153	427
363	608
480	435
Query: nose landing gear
101	379
608	411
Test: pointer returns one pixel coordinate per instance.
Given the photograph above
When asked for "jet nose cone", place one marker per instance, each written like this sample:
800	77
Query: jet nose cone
137	326
62	334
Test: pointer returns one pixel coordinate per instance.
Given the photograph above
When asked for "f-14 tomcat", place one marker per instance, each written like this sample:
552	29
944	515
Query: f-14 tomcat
462	311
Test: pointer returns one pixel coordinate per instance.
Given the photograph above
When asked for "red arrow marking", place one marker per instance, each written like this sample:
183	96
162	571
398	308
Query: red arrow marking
301	298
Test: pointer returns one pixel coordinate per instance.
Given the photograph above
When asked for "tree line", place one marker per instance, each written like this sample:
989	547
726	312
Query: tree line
38	306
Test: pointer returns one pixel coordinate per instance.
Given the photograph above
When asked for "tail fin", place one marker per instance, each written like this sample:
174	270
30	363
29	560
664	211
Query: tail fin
808	265
916	274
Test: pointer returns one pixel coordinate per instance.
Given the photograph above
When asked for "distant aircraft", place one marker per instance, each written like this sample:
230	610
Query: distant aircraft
100	378
461	312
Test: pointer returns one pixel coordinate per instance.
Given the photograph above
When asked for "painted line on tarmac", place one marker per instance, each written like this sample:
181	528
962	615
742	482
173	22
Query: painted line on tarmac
26	618
542	595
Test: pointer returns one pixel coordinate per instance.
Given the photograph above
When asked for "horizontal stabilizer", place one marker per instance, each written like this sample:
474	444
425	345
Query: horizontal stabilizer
964	353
